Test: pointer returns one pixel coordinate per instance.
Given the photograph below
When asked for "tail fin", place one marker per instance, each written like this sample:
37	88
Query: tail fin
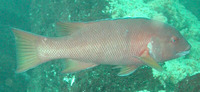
26	50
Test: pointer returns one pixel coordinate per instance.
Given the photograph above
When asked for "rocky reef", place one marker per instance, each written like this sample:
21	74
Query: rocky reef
173	13
41	16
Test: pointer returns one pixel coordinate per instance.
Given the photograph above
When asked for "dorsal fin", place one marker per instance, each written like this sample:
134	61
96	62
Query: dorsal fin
67	28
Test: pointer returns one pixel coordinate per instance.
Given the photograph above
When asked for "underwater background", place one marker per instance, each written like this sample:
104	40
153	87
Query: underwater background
40	17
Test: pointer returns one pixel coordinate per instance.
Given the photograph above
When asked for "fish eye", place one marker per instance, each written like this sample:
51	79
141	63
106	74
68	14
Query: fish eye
174	39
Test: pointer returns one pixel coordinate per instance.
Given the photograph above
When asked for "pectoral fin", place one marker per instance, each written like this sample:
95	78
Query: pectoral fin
147	59
74	66
126	70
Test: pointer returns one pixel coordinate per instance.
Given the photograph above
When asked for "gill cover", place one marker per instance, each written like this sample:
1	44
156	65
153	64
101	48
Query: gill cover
152	55
154	47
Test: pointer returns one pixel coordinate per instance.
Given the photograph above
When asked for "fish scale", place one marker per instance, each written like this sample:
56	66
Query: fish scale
127	43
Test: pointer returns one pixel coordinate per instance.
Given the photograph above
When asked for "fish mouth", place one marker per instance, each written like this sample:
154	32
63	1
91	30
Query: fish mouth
183	53
188	48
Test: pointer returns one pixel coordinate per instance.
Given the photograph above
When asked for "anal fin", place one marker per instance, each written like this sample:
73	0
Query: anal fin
74	66
126	70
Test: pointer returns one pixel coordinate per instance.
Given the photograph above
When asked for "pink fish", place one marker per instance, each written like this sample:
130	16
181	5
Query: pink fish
127	43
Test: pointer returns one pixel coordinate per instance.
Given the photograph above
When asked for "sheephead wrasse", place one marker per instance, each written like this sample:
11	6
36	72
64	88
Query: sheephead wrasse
127	43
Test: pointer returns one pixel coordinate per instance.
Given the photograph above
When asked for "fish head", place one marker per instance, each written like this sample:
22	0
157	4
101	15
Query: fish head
168	44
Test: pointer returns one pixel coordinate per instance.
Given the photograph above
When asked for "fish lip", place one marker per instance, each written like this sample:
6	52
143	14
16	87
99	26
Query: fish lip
183	53
188	48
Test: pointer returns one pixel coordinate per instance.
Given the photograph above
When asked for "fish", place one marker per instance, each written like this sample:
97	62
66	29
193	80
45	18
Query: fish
125	43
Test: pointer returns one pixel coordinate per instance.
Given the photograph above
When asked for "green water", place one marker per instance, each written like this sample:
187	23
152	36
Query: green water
40	17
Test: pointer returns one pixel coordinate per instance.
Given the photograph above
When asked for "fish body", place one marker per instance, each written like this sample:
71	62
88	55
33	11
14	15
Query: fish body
127	43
